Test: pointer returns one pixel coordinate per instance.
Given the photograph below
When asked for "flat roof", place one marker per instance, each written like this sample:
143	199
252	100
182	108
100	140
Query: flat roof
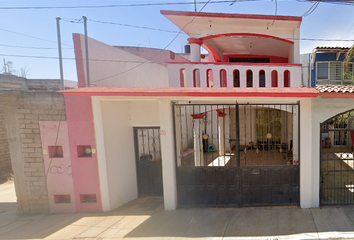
193	92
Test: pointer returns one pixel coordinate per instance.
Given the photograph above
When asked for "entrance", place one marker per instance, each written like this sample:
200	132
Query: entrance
237	155
337	161
148	161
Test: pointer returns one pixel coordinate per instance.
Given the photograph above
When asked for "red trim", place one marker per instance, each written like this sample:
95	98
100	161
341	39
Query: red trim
193	92
228	63
230	15
246	34
336	95
198	116
210	49
79	60
195	41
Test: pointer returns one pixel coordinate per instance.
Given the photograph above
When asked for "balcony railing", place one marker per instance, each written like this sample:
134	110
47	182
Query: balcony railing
234	75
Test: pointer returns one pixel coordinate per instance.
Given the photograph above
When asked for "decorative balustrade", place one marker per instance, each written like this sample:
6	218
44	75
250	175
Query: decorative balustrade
234	75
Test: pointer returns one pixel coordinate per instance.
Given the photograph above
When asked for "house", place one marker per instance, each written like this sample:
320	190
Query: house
236	129
327	67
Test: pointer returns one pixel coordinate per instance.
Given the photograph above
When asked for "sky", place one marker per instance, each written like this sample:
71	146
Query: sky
28	37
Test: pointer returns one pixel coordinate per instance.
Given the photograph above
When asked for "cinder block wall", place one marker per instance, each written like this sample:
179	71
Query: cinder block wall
26	152
5	159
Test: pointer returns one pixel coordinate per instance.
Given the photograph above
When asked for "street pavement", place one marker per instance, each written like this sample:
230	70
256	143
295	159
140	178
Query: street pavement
145	218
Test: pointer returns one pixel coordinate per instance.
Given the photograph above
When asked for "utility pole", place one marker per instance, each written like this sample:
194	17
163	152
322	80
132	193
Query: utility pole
60	56
195	6
87	56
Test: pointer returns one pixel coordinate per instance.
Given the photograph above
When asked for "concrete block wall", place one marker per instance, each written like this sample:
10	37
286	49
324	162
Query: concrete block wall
22	118
5	159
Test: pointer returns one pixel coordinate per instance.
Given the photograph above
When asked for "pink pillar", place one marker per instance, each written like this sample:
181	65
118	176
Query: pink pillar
84	162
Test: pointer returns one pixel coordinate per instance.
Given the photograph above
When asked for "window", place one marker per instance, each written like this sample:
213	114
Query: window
261	78
249	78
223	78
286	78
196	78
236	78
333	73
182	74
209	74
274	78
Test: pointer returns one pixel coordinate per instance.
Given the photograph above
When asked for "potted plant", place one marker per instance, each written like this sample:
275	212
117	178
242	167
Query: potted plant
288	157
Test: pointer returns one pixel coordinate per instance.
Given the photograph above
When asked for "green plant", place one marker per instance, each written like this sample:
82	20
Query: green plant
288	157
326	175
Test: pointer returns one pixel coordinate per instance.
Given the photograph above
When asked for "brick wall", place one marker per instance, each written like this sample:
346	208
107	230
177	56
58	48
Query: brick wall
26	149
5	159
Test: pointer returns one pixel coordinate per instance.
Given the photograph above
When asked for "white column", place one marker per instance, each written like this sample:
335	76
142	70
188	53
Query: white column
101	153
195	44
221	136
306	164
168	155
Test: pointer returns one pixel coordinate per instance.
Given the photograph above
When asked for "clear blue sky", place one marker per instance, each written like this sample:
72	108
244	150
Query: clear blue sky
328	21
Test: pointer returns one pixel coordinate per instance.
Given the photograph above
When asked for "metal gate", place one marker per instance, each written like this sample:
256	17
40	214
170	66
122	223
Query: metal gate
148	161
337	162
237	154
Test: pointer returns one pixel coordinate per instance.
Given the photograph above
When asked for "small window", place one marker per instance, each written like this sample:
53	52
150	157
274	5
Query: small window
84	151
274	78
62	199
286	78
322	70
249	78
182	74
236	78
209	74
223	82
196	78
88	198
261	78
55	151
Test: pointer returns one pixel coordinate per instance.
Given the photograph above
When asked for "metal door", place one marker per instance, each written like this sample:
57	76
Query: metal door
337	161
148	161
237	155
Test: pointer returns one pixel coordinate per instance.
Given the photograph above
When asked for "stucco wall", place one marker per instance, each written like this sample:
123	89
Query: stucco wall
119	151
108	64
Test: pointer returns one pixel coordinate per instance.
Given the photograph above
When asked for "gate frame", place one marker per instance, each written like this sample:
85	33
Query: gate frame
136	151
320	158
237	143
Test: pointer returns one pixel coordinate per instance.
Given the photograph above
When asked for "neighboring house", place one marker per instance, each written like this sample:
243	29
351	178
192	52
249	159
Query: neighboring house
327	67
238	130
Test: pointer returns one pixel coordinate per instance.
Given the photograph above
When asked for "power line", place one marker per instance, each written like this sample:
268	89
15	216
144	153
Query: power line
14	46
311	9
158	52
31	36
121	5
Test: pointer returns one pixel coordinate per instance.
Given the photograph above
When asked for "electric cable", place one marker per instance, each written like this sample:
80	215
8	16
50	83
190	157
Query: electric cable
29	47
155	54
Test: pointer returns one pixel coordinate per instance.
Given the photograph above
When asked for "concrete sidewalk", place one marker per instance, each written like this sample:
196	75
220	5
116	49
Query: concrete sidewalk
145	219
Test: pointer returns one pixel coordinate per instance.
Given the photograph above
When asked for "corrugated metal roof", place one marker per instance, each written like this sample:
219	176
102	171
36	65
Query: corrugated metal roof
332	48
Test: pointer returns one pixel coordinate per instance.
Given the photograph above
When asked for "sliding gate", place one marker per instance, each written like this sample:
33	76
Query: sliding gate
237	155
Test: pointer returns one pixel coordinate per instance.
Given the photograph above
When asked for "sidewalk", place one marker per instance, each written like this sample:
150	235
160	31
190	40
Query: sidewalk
145	219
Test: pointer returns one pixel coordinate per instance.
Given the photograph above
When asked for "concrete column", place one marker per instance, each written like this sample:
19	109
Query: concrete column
13	135
168	155
306	177
195	44
221	135
101	153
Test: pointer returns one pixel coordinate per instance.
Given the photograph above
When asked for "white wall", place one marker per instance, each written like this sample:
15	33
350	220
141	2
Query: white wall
119	151
144	114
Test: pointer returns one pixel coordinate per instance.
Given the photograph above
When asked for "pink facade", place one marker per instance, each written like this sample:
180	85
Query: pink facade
83	154
57	161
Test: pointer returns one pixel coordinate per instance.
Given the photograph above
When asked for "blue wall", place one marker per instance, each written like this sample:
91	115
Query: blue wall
324	57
